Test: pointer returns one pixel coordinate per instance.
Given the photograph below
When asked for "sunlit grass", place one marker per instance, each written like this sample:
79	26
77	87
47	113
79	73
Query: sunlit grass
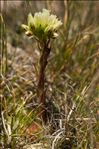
72	83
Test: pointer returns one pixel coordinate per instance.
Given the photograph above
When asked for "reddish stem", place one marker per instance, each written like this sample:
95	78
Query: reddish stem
41	92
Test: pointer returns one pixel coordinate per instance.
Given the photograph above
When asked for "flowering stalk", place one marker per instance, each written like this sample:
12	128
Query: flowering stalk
41	91
43	27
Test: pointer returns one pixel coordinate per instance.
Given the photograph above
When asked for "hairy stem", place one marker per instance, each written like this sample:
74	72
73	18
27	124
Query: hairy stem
41	91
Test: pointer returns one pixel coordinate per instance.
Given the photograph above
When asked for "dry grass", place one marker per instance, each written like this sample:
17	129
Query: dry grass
72	80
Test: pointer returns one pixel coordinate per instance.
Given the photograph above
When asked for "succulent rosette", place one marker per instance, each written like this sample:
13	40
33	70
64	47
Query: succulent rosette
42	26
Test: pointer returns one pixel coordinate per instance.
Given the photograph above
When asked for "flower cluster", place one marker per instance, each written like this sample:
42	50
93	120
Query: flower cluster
43	25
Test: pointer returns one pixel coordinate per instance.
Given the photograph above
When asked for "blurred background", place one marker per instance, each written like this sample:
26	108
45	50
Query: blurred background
72	74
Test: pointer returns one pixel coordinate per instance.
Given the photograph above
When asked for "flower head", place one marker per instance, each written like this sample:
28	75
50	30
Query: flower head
43	25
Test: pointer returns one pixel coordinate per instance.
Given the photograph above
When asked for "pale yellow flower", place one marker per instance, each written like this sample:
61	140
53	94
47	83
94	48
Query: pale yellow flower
42	25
